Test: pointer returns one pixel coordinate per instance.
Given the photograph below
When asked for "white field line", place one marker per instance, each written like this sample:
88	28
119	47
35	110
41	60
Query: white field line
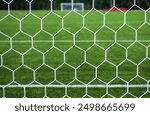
38	41
80	86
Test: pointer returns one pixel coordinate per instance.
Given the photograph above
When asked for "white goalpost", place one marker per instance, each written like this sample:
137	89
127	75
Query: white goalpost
72	6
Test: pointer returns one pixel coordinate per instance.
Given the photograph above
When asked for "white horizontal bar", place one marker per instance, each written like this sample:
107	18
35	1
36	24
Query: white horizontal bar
73	3
38	41
81	86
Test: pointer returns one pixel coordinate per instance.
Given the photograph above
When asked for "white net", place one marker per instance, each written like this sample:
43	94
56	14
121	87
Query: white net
94	53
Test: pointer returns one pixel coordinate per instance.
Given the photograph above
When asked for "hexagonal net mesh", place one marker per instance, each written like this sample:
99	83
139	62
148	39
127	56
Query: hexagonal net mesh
92	53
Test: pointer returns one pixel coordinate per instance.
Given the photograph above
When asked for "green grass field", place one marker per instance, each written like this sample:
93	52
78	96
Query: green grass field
78	50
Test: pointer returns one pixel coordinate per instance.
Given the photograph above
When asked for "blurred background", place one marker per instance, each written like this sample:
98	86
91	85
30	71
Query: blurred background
99	4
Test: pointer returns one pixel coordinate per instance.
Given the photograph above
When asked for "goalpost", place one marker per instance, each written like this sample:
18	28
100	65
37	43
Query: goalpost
72	6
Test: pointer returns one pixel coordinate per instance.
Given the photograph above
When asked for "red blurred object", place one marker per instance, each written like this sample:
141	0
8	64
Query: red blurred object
116	9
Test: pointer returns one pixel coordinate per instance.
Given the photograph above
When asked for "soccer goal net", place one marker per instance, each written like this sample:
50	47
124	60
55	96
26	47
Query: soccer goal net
95	53
72	6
